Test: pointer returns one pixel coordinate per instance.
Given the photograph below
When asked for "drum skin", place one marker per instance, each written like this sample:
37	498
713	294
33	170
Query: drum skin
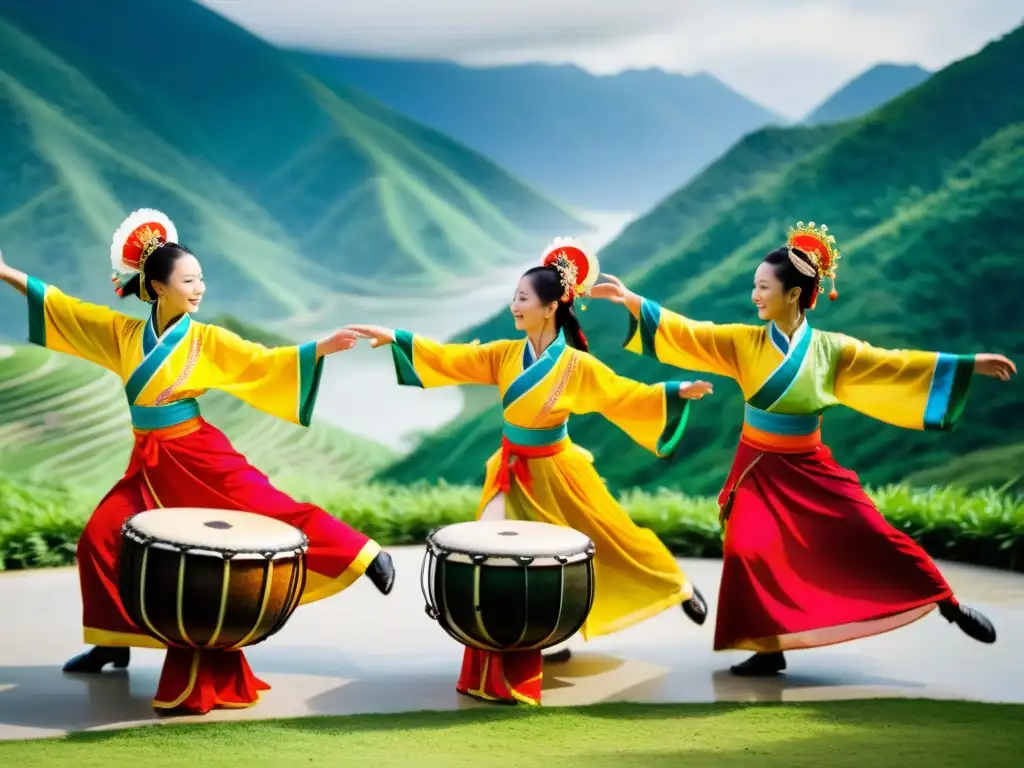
206	600
496	606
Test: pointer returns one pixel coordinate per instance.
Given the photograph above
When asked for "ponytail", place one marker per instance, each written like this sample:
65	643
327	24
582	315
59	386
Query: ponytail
566	320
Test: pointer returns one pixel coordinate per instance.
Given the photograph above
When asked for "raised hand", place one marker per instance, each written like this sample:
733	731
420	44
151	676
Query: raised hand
695	390
613	290
338	341
996	366
377	334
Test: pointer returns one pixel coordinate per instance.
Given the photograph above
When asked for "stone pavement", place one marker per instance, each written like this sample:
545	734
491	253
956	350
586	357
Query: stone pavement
362	652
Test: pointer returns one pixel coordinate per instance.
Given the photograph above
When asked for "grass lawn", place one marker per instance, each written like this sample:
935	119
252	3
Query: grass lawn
869	733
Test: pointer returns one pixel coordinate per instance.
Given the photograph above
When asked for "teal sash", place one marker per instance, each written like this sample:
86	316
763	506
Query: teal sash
782	378
797	425
534	372
155	352
535	438
163	416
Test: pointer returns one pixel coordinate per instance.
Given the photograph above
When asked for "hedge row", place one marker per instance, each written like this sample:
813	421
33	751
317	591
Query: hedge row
40	526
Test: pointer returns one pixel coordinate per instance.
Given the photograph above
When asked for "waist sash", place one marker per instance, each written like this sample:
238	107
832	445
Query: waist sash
781	432
521	443
149	417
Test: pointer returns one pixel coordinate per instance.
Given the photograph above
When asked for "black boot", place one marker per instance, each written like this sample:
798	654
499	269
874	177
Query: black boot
558	657
696	608
382	572
94	660
760	665
973	623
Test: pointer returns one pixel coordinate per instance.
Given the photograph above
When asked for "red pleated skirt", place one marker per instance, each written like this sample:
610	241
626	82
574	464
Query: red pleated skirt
810	561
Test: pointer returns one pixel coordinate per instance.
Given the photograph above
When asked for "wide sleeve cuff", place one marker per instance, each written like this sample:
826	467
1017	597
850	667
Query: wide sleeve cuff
948	394
642	331
311	370
677	411
402	353
36	295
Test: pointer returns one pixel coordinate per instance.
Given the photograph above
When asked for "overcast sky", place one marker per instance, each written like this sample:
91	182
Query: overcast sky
786	54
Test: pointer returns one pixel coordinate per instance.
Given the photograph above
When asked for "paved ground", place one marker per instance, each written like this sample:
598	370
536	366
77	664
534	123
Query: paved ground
362	652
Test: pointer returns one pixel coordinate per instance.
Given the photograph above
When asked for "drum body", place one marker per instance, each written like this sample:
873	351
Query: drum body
210	578
508	585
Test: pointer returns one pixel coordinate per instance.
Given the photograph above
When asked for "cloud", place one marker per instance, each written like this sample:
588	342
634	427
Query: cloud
786	54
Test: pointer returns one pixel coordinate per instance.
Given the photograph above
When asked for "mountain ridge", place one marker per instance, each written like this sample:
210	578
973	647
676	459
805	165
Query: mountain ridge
869	90
611	142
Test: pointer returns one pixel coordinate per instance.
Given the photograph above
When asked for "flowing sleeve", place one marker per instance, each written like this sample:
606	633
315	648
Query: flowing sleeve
653	415
422	362
65	324
676	340
905	388
280	381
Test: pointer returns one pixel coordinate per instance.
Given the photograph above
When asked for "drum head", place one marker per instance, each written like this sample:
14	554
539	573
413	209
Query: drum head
217	529
513	538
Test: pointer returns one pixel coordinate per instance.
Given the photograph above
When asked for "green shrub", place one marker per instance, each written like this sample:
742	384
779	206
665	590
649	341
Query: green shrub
40	526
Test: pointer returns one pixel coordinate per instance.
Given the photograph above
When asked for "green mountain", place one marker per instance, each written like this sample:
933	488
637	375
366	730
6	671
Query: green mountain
867	91
611	142
924	196
297	194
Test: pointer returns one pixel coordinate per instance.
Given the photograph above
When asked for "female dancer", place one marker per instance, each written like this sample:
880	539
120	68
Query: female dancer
180	460
539	474
809	560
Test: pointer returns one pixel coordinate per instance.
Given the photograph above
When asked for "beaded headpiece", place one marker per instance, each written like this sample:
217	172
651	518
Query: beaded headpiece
577	268
139	235
820	248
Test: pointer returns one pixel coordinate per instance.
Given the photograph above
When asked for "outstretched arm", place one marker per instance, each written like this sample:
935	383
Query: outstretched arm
653	415
671	338
910	388
281	381
423	362
65	324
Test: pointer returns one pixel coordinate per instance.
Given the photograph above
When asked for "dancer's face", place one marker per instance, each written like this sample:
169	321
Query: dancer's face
529	312
184	288
772	300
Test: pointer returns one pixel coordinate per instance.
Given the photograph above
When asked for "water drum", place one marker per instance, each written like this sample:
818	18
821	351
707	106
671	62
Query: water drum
508	585
211	578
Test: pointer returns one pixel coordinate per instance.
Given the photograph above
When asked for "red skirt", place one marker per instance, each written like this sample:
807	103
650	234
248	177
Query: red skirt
810	561
194	465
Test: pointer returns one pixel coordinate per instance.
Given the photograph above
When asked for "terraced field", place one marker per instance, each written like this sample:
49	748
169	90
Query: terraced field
66	421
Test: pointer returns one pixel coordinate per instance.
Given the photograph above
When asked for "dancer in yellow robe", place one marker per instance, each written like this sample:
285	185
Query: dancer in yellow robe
539	474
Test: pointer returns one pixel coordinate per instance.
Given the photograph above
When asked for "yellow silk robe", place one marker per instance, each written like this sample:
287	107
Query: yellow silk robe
635	574
788	383
164	376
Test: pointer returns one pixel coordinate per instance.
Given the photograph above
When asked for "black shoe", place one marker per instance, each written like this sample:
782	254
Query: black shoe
558	657
761	665
382	572
973	623
696	608
94	660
